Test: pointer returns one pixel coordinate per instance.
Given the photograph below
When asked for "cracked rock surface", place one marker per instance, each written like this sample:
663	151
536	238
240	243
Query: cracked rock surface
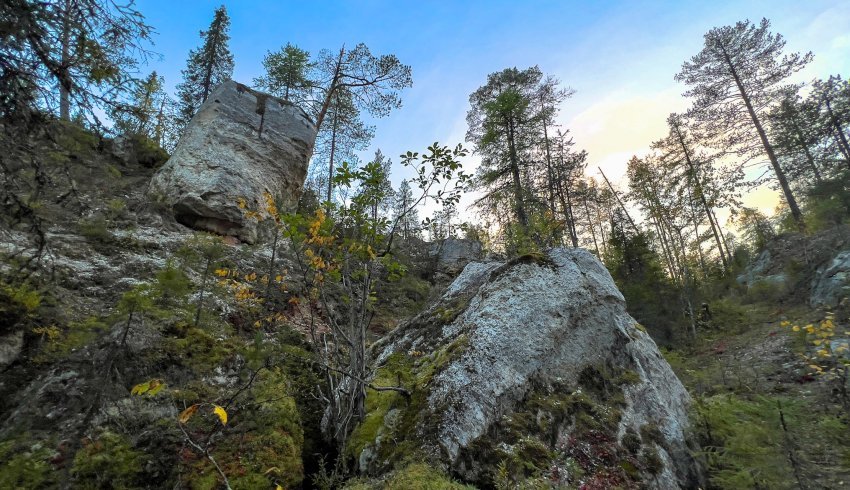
240	145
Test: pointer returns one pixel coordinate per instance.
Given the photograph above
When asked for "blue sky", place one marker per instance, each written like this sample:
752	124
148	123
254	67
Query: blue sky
619	56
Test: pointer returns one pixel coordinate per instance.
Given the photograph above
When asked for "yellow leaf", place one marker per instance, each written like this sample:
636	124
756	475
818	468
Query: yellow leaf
141	388
156	386
185	415
222	414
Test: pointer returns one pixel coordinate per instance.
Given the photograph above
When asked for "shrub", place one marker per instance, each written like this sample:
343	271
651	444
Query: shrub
17	303
730	316
744	441
138	149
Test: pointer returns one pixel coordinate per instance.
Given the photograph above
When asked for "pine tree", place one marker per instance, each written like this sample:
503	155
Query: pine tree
379	185
343	137
346	83
208	66
832	97
695	177
286	74
740	74
563	173
503	125
795	132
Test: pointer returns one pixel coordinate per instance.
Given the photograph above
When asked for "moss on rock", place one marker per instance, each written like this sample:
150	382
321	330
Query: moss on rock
415	476
108	461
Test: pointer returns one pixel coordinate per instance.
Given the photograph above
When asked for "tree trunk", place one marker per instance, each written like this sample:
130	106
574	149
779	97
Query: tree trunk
687	289
566	205
841	138
549	171
334	86
514	162
334	130
65	82
590	223
698	188
768	148
634	227
668	257
801	141
695	222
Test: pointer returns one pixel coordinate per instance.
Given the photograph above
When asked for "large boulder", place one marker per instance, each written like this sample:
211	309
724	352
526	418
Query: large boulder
529	367
452	254
831	283
240	147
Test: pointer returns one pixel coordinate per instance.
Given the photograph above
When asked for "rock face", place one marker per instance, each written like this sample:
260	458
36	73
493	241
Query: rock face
533	364
240	145
763	270
453	254
832	281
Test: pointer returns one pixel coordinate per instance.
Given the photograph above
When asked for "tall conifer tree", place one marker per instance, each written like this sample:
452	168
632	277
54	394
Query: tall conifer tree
207	67
740	74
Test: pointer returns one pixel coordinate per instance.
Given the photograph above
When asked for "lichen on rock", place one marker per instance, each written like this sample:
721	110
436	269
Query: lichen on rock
529	369
232	152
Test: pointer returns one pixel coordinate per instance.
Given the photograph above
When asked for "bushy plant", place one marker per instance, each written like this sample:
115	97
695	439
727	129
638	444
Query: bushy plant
747	443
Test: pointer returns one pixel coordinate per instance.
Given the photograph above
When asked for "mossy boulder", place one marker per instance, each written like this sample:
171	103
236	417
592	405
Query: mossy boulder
529	371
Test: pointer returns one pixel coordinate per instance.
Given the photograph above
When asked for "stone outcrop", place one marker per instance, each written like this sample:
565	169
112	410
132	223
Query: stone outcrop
535	365
452	254
240	145
831	283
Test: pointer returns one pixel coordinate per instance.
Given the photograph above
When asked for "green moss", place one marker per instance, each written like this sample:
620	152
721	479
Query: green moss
108	461
24	464
18	303
398	370
528	458
651	461
401	298
651	433
413	372
57	344
416	476
95	230
631	441
627	377
537	258
199	349
261	445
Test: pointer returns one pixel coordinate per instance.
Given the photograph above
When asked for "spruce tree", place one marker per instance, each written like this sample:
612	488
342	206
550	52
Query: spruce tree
208	66
140	114
405	212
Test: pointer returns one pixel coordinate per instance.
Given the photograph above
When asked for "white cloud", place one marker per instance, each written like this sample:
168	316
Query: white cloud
620	126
